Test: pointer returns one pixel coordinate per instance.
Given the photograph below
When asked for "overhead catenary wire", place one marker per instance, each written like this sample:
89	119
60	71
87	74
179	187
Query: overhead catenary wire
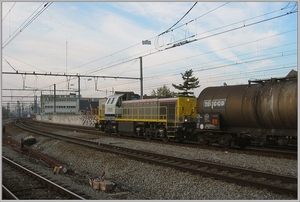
9	11
170	29
226	48
215	67
26	24
210	80
192	40
220	66
220	60
184	41
178	20
10	64
114	65
132	45
124	60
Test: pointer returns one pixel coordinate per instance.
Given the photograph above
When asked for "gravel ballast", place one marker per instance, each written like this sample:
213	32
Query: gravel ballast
148	181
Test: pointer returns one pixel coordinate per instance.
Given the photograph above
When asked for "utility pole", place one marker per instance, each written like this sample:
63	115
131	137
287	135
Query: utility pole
54	99
42	104
35	104
141	73
78	94
8	109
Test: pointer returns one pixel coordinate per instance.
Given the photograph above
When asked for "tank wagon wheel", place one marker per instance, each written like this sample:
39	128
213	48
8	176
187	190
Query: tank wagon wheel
225	141
202	139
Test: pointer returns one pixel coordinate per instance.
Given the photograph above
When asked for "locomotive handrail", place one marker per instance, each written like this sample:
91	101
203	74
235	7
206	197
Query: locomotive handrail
142	114
101	113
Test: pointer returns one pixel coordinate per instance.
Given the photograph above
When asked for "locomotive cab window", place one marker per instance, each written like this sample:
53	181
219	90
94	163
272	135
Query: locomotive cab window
119	102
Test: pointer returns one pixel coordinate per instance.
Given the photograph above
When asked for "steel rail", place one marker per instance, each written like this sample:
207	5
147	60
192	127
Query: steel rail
193	166
45	181
8	193
256	151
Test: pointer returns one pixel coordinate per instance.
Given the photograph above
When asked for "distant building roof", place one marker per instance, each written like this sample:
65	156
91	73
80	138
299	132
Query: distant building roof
292	73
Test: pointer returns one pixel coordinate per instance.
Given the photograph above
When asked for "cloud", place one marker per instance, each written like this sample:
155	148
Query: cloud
98	38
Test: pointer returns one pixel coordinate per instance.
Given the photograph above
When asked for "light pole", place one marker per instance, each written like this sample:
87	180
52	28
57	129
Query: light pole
145	42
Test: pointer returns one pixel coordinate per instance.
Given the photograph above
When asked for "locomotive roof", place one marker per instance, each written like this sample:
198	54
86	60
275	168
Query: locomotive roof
116	95
150	100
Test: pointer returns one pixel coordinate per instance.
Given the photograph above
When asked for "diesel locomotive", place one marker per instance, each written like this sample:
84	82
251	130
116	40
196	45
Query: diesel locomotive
168	118
260	112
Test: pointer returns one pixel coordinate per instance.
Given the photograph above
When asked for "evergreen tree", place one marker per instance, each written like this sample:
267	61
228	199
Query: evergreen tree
162	92
189	82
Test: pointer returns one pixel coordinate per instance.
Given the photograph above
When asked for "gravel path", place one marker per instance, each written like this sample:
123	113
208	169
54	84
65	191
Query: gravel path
148	181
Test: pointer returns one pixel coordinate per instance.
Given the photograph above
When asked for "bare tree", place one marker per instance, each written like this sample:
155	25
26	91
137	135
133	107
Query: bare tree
162	92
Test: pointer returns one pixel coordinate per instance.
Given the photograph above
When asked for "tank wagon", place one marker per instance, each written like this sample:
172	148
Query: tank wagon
263	111
168	118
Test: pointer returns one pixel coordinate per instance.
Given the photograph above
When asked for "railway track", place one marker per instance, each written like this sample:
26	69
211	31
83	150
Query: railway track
262	180
23	183
249	150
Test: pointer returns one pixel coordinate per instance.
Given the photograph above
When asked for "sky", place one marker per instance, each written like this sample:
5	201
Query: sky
222	42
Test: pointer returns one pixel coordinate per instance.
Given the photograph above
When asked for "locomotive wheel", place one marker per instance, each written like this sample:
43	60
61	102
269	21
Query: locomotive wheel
148	136
165	138
242	146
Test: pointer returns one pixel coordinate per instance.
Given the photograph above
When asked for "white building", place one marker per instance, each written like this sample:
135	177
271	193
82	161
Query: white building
68	105
62	104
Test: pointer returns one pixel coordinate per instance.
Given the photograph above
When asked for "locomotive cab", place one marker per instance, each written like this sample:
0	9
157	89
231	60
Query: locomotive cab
112	106
112	109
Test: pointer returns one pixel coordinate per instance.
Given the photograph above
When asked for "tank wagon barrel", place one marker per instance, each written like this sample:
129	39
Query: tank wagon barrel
263	109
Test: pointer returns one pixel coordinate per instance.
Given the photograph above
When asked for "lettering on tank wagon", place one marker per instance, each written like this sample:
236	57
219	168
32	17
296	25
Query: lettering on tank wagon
214	104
